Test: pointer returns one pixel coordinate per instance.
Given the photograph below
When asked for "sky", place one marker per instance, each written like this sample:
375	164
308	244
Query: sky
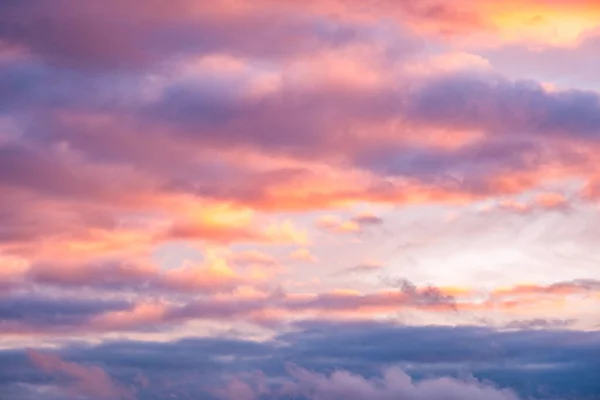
299	200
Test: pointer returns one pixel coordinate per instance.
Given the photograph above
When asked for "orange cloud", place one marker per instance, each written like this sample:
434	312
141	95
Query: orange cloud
226	223
543	21
540	21
580	286
551	201
218	273
541	202
143	315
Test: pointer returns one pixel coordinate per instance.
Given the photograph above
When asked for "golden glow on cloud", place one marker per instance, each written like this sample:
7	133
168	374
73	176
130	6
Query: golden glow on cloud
549	26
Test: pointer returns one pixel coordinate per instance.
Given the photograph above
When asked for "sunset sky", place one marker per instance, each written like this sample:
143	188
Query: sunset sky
299	200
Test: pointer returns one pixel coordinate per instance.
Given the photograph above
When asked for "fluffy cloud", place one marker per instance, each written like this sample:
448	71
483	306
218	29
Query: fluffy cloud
394	384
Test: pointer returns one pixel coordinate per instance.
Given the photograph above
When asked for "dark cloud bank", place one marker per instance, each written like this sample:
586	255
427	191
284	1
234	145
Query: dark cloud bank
318	361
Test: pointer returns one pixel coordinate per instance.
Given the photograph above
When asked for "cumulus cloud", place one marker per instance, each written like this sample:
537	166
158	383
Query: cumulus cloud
394	384
501	105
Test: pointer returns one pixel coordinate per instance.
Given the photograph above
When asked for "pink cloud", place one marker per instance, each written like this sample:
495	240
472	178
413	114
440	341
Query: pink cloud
275	307
215	275
303	255
77	380
198	131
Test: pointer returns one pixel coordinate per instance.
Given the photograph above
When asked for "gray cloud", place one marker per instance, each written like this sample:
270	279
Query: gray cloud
505	107
540	323
49	312
545	364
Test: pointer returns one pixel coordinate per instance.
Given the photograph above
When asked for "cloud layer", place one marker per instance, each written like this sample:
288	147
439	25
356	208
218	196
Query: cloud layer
188	190
320	360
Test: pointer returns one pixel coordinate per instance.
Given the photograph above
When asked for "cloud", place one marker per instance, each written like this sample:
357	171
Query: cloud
216	293
44	315
146	35
537	22
303	255
225	224
251	258
101	144
538	204
363	268
79	380
328	358
505	157
149	33
38	313
502	106
333	224
540	324
107	275
577	286
29	167
358	223
216	274
367	219
428	295
576	66
394	384
223	234
256	131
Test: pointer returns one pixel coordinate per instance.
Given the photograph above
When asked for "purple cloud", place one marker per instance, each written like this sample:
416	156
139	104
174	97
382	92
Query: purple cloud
394	384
